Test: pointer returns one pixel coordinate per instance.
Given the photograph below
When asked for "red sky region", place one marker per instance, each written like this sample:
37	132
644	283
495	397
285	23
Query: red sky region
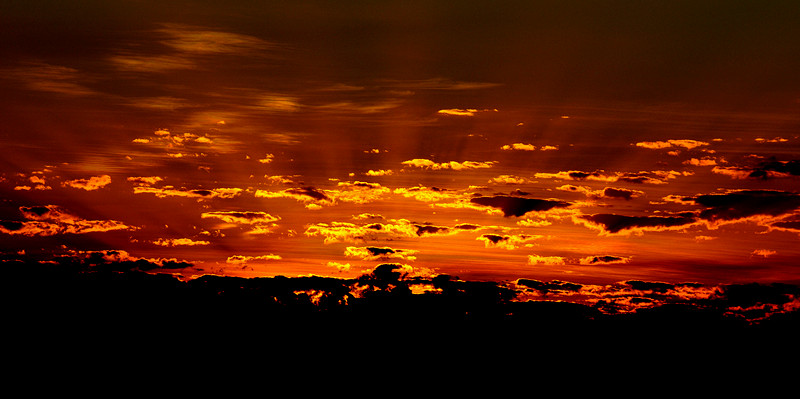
542	140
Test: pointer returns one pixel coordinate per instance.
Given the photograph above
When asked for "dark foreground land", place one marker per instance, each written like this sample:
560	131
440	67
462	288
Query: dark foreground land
66	311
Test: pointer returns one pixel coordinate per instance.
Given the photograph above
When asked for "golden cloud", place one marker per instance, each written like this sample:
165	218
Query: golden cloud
452	165
92	183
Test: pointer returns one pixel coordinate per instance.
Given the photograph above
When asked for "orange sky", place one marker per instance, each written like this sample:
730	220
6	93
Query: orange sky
543	140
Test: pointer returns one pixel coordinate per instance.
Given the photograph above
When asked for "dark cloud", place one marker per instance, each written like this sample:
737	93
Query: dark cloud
544	287
654	177
612	223
516	206
774	168
578	175
604	259
423	229
650	286
467	226
310	192
494	238
625	194
380	251
33	212
788	225
746	203
10	225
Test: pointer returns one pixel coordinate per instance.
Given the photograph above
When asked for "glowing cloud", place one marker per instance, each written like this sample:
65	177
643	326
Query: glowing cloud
510	180
656	145
701	162
546	260
452	165
241	217
380	172
51	220
766	253
170	191
145	180
177	242
92	183
391	230
463	112
341	267
428	194
199	40
519	147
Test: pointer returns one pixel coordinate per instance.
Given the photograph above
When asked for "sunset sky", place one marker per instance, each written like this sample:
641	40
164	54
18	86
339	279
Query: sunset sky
586	141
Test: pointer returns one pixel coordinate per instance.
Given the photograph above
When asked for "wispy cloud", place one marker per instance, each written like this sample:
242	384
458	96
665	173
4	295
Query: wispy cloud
463	111
151	63
201	40
50	78
437	84
187	46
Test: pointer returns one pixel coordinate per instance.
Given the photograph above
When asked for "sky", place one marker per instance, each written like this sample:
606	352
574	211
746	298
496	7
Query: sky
583	141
